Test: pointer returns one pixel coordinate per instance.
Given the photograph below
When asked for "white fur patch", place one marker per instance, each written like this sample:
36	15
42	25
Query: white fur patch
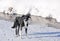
25	22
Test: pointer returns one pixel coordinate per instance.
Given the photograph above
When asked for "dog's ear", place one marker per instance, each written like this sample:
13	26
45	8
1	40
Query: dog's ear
23	15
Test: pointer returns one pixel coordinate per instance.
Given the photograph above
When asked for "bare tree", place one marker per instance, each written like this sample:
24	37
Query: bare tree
49	17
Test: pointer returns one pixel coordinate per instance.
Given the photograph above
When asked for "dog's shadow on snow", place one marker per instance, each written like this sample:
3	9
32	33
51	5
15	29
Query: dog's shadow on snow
44	34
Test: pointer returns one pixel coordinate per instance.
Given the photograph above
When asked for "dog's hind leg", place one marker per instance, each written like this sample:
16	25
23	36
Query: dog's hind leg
16	31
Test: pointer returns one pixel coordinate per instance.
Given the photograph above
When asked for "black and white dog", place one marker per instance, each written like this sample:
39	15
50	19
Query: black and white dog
21	22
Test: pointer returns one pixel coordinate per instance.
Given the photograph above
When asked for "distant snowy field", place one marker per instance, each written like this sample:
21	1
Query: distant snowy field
36	32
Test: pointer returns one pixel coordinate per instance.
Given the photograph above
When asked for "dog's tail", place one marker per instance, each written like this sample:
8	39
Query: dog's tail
13	27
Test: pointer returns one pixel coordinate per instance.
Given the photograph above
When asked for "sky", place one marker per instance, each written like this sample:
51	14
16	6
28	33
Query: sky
39	7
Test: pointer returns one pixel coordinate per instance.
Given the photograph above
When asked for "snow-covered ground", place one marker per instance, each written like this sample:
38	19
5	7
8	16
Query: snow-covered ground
36	32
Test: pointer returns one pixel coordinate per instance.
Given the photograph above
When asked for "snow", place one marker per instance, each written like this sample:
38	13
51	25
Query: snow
36	32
